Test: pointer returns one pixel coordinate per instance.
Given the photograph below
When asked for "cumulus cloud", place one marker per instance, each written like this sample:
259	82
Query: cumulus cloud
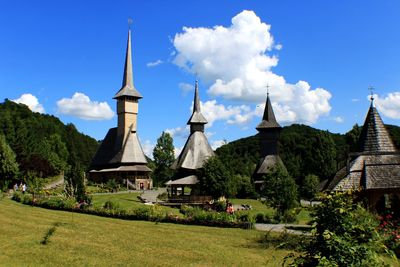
237	61
182	132
186	87
155	63
82	107
338	119
389	105
31	101
148	148
217	143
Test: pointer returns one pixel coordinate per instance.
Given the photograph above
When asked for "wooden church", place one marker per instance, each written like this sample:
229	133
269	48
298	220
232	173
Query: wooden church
193	156
120	155
375	170
269	133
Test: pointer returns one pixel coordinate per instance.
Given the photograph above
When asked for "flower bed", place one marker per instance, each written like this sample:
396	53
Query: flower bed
192	216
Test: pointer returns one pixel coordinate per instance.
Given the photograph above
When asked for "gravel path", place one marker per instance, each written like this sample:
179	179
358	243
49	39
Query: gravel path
280	227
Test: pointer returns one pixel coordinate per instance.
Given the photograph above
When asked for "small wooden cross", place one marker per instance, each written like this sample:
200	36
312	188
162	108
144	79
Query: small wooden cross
371	89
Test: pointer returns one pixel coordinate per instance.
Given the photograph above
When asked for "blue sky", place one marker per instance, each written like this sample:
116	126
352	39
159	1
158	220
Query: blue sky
66	58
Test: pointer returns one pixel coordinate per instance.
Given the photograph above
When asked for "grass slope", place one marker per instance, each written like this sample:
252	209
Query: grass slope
79	239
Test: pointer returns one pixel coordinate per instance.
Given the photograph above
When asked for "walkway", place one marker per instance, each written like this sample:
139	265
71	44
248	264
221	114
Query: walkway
150	196
280	227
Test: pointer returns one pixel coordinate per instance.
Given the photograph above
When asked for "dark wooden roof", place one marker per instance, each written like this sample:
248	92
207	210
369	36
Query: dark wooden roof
267	164
374	136
378	164
268	120
128	88
112	152
195	152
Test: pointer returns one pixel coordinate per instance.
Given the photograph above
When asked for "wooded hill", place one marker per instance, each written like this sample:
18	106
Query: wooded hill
42	143
303	149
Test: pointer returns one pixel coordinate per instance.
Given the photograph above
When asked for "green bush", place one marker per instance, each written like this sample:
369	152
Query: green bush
163	196
345	235
263	218
110	205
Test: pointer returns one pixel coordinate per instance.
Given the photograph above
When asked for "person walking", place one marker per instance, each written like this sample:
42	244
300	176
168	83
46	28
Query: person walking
23	188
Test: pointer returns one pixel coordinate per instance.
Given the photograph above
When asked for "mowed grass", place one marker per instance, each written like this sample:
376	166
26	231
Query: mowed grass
127	201
86	240
124	200
258	207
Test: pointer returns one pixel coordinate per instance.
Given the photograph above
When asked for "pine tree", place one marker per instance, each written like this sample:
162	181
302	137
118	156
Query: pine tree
8	164
163	155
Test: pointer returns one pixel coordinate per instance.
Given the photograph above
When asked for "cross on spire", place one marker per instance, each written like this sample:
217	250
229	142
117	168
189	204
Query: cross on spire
267	89
371	89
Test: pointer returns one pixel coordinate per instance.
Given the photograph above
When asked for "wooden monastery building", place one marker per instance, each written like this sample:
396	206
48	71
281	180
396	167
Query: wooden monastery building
375	170
120	155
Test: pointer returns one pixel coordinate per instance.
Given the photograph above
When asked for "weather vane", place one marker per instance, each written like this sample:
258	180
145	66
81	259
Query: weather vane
371	89
130	21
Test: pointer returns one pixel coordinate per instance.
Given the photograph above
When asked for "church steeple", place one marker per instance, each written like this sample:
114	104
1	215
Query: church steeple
268	120
128	88
197	119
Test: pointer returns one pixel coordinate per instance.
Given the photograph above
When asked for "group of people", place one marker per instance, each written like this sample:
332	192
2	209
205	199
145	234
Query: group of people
21	187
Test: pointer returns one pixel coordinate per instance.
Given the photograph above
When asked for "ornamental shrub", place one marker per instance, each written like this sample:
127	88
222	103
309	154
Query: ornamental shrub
345	235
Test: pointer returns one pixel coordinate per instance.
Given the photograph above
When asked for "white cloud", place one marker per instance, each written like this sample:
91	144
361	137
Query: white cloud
213	111
186	87
217	143
155	63
355	100
278	47
31	101
237	61
389	105
148	148
82	107
177	151
338	119
182	132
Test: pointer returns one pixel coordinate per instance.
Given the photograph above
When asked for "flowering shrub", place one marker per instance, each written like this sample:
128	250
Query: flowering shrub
345	234
192	216
389	228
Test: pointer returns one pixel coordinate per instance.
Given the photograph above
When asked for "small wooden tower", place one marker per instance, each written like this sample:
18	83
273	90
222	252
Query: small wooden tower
269	133
120	155
195	152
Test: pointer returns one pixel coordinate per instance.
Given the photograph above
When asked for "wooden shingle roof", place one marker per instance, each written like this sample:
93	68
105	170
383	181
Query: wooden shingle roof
128	88
374	136
268	120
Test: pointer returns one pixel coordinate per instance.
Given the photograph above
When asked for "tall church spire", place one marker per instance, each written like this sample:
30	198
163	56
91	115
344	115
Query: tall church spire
197	119
268	120
128	88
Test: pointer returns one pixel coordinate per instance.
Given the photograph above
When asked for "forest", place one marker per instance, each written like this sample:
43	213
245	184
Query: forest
43	145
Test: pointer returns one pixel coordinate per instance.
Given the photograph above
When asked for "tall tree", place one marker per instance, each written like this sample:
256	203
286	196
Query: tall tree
215	179
280	190
8	164
163	155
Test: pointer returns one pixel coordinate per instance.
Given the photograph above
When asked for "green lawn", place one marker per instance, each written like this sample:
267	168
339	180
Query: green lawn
126	201
85	240
258	207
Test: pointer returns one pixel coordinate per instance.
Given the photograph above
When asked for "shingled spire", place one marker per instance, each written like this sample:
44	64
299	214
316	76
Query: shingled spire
269	133
374	136
197	149
197	119
268	120
128	88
